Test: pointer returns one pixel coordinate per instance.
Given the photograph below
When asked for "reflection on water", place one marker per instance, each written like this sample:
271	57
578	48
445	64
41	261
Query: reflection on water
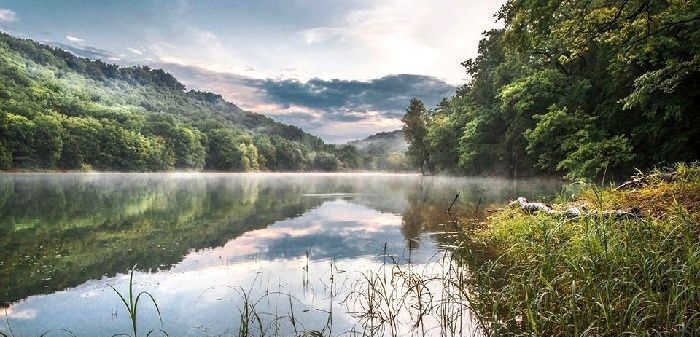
196	237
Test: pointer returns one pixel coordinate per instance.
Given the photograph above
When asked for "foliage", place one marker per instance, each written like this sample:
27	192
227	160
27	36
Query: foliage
384	151
349	157
61	111
228	151
326	162
5	157
581	87
415	130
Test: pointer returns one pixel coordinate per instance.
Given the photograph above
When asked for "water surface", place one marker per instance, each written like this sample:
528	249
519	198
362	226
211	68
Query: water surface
204	242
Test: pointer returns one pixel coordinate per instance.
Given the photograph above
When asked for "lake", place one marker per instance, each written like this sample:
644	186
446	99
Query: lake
207	246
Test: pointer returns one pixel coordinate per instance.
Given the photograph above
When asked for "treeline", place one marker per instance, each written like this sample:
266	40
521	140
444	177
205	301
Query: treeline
580	87
383	151
59	111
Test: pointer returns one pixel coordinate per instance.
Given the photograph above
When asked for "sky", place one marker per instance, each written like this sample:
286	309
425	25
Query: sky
341	70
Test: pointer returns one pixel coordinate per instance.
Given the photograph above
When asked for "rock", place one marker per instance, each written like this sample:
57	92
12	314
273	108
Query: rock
533	207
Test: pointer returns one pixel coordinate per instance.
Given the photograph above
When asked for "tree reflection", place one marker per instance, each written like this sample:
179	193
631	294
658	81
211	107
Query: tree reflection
58	231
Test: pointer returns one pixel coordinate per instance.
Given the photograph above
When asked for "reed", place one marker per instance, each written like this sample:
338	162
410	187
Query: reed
131	304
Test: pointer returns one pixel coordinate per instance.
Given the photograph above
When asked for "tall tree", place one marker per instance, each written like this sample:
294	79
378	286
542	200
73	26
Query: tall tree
415	129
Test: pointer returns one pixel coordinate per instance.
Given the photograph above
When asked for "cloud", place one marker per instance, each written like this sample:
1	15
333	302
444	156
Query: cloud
135	51
401	36
87	51
352	100
336	110
74	39
321	34
7	15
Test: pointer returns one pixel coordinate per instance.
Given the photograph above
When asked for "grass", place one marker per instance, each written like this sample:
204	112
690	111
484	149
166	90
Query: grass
131	304
595	275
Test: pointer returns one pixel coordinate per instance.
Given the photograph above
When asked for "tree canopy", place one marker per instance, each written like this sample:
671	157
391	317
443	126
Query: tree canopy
579	87
59	111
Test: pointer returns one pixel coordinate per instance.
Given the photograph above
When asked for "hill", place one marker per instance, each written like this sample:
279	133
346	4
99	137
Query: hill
383	151
383	142
60	111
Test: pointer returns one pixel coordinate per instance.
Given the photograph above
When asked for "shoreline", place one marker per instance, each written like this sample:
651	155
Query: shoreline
553	273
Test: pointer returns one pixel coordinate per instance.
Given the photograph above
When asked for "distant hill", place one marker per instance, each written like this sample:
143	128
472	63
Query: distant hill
383	151
383	142
61	111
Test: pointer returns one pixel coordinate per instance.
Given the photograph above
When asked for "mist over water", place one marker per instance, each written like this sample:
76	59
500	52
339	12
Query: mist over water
201	240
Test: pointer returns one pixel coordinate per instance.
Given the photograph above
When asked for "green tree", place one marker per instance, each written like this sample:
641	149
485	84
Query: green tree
5	157
290	156
60	110
266	152
81	142
349	157
18	135
326	162
188	147
231	151
48	140
415	130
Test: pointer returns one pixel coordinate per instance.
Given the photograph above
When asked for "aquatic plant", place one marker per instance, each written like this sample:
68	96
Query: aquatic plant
132	305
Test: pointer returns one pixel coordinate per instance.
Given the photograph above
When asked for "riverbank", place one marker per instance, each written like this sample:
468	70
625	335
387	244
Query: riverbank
595	273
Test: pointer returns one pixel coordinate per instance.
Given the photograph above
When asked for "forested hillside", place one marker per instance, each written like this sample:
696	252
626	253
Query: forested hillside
383	151
582	88
59	111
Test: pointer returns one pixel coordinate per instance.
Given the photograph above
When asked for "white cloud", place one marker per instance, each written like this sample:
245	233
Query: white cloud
402	36
7	15
74	39
321	34
205	50
368	40
135	51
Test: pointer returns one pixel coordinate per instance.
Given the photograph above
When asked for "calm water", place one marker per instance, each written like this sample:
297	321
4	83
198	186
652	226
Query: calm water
203	242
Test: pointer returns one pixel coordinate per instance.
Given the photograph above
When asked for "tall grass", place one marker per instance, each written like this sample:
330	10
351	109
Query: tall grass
131	304
259	317
592	275
402	299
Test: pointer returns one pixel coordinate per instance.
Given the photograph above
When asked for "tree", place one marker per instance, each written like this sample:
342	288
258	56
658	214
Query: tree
48	140
290	156
325	162
415	130
349	157
231	151
57	109
578	87
81	142
187	145
18	135
5	157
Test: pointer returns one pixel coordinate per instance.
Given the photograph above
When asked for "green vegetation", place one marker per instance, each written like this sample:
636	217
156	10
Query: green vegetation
131	304
385	151
549	275
584	88
415	130
58	111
